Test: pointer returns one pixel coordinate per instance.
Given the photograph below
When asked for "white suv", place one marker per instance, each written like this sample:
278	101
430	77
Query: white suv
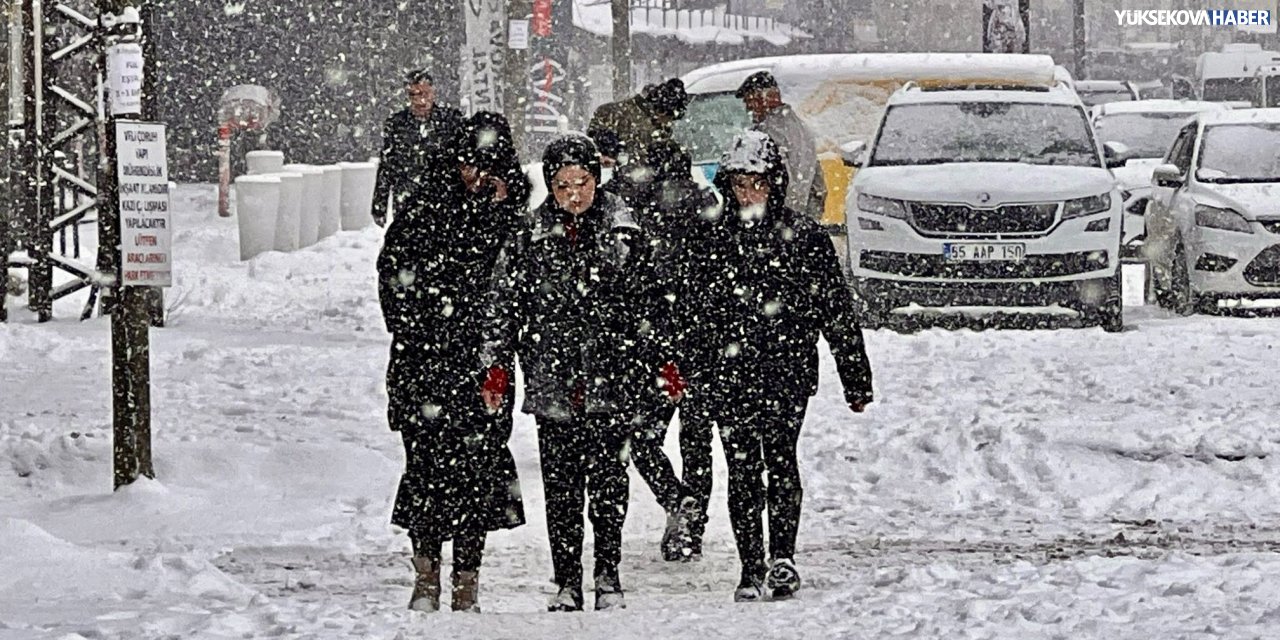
986	197
1213	224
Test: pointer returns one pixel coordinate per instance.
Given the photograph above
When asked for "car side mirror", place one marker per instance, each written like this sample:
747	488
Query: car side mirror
852	153
1116	154
1167	176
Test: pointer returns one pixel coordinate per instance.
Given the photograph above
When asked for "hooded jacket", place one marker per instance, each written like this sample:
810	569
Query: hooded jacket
434	273
570	302
768	284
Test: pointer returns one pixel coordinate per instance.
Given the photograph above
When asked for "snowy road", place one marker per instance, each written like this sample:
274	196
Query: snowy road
1006	484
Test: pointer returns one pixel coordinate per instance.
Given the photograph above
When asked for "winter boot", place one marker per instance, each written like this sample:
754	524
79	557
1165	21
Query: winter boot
686	516
567	599
609	592
783	580
671	544
751	586
426	586
466	591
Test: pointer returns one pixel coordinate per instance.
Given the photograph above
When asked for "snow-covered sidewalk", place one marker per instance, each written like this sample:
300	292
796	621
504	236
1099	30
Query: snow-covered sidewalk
1007	484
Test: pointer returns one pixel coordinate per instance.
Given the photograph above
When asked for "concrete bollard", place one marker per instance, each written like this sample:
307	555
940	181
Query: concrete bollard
286	237
358	180
309	209
331	201
257	204
263	162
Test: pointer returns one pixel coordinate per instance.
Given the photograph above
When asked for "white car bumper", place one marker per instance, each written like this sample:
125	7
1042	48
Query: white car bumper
899	253
1231	263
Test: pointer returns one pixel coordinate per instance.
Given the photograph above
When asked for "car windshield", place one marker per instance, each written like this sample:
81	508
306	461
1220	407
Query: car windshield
710	124
1273	92
1229	89
1148	135
1248	152
1094	98
937	133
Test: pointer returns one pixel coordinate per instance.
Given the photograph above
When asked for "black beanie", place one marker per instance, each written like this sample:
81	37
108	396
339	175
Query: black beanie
570	151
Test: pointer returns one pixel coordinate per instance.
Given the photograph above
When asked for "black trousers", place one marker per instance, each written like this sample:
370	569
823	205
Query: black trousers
584	456
759	434
695	454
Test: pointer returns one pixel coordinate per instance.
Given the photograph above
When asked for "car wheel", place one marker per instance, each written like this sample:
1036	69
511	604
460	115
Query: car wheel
1109	312
872	310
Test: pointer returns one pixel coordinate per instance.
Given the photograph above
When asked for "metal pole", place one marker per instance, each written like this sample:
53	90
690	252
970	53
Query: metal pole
130	326
1078	31
6	194
621	48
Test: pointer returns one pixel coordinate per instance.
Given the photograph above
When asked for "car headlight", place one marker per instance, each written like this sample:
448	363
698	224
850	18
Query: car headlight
882	206
1224	219
1081	207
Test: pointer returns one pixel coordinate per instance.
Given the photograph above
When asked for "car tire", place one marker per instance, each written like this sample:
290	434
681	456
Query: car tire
872	313
1108	314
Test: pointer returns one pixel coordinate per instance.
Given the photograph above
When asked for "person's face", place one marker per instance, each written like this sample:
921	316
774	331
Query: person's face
750	189
473	177
422	98
574	189
755	103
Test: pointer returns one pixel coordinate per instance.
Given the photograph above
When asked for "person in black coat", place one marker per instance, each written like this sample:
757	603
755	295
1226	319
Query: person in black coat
416	163
767	283
675	213
434	282
572	304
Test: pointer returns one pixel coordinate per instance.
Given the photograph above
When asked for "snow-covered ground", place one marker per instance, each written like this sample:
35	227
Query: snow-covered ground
1006	484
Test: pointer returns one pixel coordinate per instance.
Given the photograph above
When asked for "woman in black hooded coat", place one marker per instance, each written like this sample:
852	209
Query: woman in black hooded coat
767	283
434	276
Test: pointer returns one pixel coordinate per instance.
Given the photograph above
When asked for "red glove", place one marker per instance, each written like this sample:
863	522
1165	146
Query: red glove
672	382
495	387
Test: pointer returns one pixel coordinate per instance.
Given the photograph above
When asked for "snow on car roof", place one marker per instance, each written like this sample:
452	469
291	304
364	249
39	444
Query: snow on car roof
1061	94
1241	116
1101	85
1159	106
871	67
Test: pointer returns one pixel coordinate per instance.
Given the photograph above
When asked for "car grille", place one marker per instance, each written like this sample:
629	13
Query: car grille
1264	271
959	219
928	265
1271	225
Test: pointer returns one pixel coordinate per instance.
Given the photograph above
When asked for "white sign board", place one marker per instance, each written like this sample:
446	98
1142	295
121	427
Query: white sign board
484	56
146	235
518	34
124	79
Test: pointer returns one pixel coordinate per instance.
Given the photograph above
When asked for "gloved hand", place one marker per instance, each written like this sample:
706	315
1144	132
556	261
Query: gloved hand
672	382
494	388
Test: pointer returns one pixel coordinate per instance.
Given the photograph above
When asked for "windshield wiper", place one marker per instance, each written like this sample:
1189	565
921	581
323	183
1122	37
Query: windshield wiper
1240	180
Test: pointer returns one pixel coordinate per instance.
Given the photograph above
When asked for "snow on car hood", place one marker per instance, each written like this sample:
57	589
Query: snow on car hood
984	183
1254	200
1136	174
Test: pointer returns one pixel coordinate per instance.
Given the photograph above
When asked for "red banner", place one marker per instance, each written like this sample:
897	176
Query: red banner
541	18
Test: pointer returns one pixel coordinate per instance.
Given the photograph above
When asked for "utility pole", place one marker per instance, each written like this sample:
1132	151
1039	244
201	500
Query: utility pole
621	48
516	89
1079	39
121	26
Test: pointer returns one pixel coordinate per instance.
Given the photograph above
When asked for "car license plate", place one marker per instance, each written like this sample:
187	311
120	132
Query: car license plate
984	251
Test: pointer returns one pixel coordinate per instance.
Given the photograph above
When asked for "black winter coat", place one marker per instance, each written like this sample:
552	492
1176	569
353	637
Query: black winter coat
750	311
417	160
434	281
574	303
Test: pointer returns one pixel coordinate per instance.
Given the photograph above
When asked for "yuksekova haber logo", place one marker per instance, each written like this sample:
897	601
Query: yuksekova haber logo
1193	17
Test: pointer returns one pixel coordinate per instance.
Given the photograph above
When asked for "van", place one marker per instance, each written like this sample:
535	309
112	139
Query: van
1230	75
